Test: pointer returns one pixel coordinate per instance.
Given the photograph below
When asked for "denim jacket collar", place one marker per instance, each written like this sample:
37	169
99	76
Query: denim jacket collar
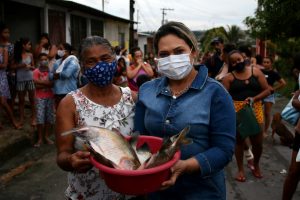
197	83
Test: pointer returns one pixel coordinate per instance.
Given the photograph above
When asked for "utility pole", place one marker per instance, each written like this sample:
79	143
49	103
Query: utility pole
137	20
131	30
102	5
164	13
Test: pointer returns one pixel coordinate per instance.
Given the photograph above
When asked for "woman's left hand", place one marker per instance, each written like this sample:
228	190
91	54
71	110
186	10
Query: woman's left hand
179	168
249	101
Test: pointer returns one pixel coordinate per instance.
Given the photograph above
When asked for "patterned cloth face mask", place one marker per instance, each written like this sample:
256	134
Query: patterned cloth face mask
102	73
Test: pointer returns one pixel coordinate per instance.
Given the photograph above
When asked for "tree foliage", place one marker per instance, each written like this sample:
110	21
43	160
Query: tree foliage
210	34
275	19
234	34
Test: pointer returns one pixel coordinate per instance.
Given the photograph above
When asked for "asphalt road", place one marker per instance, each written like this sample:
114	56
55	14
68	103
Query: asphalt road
34	175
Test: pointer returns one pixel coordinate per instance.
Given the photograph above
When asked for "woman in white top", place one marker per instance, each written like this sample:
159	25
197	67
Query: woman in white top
99	103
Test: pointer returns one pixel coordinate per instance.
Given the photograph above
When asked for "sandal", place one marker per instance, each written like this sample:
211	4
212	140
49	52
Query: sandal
37	145
48	141
256	174
250	164
240	178
18	126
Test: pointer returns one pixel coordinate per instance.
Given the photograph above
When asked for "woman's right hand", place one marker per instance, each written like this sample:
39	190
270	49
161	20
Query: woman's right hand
80	161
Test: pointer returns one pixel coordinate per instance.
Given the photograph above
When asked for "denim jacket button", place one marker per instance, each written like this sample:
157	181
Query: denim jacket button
167	121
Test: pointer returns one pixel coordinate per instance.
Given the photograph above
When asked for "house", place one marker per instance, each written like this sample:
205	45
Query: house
145	42
65	21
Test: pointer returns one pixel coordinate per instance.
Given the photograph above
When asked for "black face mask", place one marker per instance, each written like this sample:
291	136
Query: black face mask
218	52
239	66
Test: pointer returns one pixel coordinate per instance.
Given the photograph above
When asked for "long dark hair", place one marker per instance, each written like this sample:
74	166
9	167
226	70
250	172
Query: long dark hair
46	35
2	27
19	48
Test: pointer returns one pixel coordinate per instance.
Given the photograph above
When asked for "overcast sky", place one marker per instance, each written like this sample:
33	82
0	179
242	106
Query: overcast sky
196	14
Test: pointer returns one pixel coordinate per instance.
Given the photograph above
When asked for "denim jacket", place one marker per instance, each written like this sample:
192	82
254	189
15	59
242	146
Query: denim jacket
207	107
68	78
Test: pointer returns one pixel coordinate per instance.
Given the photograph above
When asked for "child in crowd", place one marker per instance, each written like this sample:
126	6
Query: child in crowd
120	78
4	87
24	63
44	100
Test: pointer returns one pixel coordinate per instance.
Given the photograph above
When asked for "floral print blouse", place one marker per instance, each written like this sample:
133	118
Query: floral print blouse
89	185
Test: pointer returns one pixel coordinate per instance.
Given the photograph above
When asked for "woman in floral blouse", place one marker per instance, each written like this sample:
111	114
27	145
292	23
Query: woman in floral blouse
99	103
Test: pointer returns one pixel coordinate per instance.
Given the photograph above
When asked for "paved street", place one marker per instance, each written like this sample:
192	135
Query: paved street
40	179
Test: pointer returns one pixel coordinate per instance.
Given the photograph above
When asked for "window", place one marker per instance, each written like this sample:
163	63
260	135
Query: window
78	30
122	40
97	27
57	27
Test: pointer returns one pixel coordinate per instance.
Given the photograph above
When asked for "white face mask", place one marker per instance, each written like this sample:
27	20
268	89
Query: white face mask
60	53
175	67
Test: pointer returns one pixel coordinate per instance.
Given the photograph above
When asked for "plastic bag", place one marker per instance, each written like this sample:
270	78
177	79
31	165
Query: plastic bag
290	114
247	124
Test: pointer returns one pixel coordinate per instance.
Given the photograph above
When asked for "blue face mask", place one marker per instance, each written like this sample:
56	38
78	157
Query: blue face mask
102	73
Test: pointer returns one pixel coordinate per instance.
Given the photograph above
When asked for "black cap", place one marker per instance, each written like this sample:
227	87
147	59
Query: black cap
216	40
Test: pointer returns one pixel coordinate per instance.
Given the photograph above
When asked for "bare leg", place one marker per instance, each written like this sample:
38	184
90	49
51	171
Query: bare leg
31	94
9	113
21	95
40	128
292	179
267	114
47	133
239	155
257	151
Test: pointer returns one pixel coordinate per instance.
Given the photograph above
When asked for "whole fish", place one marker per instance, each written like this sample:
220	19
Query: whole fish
108	147
143	152
168	149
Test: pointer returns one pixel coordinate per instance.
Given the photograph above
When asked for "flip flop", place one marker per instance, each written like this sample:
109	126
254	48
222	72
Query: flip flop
48	141
255	174
250	165
37	145
240	178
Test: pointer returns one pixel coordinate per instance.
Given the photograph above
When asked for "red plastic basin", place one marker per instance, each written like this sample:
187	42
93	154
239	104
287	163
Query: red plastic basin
138	182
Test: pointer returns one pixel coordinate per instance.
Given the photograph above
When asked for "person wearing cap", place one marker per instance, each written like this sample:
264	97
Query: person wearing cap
215	63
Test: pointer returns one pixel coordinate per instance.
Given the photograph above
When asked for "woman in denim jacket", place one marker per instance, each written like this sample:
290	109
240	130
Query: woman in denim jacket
182	97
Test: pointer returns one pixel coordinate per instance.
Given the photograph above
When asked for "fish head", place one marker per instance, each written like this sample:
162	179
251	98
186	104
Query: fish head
180	138
127	164
85	132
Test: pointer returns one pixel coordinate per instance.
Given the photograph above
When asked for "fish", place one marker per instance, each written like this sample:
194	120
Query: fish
108	147
143	152
112	149
168	149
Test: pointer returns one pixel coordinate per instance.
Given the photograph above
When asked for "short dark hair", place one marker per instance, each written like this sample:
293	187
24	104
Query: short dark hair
3	26
216	40
133	50
41	55
228	48
246	50
141	79
68	47
259	59
267	57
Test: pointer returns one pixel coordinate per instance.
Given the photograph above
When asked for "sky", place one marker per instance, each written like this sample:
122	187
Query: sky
196	14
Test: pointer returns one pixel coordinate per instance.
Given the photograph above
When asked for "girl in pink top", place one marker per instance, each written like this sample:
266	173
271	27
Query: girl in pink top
44	100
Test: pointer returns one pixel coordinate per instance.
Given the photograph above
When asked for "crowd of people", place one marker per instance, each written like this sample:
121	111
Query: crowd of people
154	94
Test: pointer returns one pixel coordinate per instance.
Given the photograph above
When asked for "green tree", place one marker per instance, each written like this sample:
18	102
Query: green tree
234	34
210	34
275	19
